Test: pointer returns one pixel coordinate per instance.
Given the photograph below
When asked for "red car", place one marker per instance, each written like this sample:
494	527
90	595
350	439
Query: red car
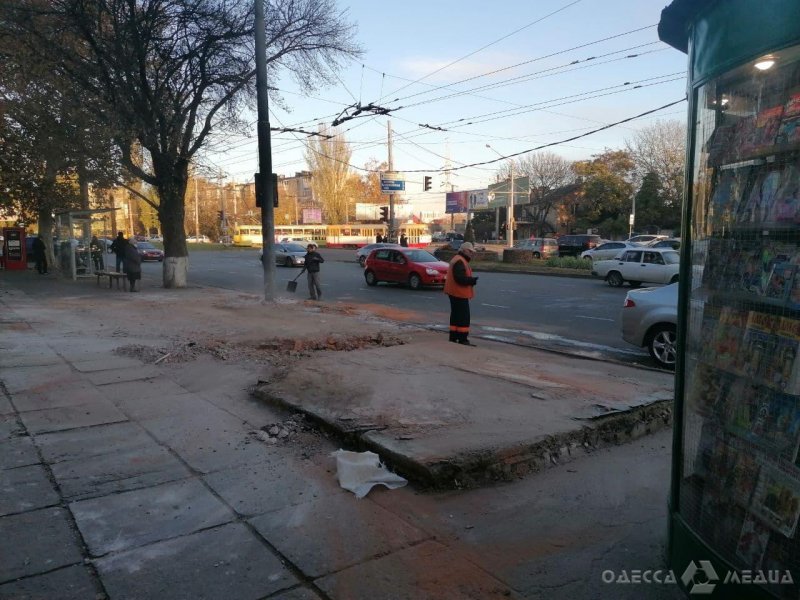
404	265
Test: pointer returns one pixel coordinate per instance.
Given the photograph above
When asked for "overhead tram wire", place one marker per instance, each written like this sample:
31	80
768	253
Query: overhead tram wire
497	41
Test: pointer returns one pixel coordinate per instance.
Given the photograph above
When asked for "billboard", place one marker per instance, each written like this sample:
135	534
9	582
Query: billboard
312	215
478	199
456	202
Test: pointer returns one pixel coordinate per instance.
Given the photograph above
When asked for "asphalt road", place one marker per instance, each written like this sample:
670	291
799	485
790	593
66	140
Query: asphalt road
579	316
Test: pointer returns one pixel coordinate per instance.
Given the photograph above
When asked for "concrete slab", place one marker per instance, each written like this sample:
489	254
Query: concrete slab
17	452
82	444
224	562
38	379
298	593
477	414
72	394
208	440
69	583
167	405
24	489
104	362
118	471
122	375
99	412
157	387
280	483
131	519
53	545
335	532
30	356
5	406
10	427
428	571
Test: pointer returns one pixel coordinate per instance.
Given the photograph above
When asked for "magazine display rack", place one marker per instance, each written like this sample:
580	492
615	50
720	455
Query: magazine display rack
739	487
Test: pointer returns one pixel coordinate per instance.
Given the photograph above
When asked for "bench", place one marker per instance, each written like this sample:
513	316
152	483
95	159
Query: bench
112	276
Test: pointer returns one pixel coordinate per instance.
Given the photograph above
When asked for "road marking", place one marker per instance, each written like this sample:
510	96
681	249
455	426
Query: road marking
494	305
594	318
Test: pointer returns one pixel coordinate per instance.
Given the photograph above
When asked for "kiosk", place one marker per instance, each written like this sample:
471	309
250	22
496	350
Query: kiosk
14	256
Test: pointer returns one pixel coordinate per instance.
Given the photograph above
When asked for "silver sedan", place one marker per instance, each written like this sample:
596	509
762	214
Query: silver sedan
649	318
290	255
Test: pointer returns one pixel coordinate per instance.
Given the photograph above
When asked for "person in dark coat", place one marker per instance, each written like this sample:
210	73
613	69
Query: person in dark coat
40	255
403	240
118	247
97	254
132	264
313	259
379	239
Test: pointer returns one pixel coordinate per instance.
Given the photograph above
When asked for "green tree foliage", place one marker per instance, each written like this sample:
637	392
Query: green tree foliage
607	181
649	204
469	232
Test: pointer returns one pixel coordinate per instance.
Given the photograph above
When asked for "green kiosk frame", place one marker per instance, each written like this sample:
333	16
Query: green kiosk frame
735	494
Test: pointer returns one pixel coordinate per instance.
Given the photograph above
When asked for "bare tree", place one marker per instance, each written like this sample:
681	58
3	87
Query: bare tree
328	158
546	172
660	149
169	72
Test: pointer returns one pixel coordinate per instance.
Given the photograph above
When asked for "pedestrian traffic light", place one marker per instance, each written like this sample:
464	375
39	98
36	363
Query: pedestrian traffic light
259	181
426	183
220	216
384	214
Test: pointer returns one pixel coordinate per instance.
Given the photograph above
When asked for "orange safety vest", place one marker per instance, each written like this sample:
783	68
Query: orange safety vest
452	287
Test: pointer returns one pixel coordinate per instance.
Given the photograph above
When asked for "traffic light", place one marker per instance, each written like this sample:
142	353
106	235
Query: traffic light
426	183
384	214
220	216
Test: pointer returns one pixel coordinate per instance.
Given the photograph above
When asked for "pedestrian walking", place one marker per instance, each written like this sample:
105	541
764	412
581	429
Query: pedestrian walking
459	286
97	254
379	239
313	259
118	247
132	264
40	255
403	240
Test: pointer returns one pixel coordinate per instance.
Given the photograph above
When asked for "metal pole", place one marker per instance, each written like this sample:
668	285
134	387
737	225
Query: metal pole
196	212
264	155
510	224
391	196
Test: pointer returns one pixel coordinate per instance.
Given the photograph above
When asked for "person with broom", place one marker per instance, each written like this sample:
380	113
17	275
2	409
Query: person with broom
313	259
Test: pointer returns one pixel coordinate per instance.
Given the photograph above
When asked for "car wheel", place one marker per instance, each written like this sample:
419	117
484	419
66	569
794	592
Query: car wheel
537	255
370	278
614	279
414	281
362	260
661	343
674	279
287	262
635	284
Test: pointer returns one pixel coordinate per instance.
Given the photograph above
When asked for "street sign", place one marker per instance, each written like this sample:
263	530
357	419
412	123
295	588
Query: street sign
389	186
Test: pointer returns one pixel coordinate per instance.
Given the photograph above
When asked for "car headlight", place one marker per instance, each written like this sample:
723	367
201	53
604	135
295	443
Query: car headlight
431	271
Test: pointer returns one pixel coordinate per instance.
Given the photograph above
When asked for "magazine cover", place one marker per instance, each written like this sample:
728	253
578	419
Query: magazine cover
780	281
776	500
766	129
752	543
786	208
789	129
728	337
743	142
719	144
727	196
743	476
758	345
784	369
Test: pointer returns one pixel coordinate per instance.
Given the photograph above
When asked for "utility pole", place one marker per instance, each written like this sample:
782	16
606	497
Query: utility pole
196	212
510	224
264	189
391	196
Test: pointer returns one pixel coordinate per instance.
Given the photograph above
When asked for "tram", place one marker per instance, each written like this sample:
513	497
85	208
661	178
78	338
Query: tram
332	236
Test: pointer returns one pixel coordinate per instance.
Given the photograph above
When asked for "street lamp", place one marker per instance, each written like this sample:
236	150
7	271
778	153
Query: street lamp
510	210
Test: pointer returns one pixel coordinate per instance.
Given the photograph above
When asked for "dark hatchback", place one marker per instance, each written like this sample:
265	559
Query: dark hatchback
574	244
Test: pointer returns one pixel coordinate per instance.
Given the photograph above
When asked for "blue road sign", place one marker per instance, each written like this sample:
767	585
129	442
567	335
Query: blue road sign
393	185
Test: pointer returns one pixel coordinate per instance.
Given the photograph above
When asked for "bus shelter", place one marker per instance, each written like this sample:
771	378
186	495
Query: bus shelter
73	240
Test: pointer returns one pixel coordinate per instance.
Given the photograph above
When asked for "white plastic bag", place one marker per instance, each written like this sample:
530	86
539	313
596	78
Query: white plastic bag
359	472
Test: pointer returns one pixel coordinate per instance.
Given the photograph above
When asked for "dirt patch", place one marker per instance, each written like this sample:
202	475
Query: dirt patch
341	343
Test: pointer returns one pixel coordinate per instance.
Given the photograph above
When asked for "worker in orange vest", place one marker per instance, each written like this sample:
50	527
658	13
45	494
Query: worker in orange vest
460	287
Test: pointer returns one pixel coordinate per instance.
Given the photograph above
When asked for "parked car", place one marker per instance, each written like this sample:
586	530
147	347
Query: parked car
639	265
363	252
674	243
203	239
574	244
645	238
649	319
541	247
411	266
149	252
452	235
290	255
607	250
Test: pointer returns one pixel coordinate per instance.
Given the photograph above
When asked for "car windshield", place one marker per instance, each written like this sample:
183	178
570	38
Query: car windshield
421	256
145	246
671	258
294	248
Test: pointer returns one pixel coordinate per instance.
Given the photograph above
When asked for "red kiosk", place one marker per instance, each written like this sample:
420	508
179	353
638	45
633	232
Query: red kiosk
14	256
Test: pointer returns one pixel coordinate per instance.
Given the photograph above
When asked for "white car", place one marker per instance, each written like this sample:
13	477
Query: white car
645	238
639	265
203	239
607	250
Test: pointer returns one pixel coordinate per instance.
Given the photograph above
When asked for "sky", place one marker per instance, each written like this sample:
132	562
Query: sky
512	74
